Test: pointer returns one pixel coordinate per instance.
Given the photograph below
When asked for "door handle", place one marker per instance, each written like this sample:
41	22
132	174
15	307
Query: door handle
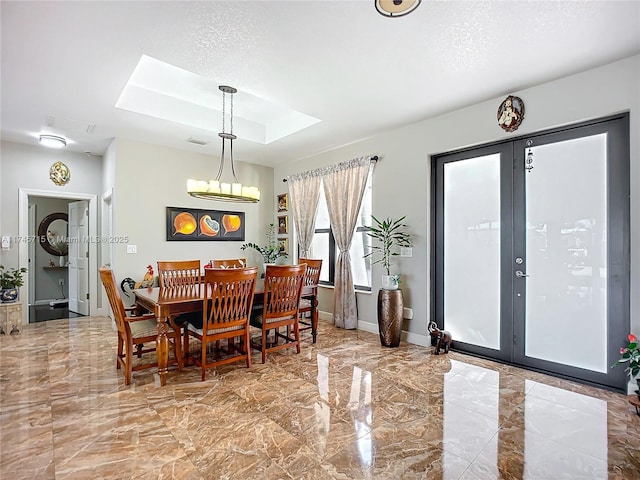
520	273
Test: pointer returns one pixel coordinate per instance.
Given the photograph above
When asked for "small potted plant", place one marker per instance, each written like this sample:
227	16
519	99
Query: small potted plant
269	252
389	234
631	354
11	279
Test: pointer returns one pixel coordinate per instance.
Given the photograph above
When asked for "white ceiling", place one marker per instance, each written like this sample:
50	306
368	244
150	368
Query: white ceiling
65	64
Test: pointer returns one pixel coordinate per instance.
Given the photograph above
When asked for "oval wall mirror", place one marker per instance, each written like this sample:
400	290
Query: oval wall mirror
52	234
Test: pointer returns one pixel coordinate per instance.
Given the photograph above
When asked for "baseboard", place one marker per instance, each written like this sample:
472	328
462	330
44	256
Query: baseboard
409	337
47	301
368	327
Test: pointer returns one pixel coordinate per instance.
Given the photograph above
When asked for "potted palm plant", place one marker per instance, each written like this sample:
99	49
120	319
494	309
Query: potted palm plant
390	235
11	279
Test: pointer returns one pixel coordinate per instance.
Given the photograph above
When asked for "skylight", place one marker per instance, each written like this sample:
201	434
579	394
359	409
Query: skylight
164	91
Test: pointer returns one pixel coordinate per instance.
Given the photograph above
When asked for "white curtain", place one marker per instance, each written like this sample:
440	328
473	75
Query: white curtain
304	191
344	186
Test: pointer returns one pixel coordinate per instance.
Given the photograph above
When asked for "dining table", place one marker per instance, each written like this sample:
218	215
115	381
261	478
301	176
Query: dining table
166	302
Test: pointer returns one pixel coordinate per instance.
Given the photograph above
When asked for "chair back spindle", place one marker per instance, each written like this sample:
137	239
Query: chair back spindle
182	273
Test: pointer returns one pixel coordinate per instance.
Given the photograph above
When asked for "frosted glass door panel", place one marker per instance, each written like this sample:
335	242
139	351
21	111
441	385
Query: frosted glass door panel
472	250
566	245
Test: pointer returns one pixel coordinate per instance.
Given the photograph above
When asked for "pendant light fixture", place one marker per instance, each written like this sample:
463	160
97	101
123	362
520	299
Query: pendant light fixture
396	8
216	189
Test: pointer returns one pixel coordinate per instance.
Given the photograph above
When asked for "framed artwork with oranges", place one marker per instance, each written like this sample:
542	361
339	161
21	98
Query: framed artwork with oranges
204	225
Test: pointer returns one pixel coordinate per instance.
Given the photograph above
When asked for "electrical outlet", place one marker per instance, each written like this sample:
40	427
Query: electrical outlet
61	282
132	249
406	251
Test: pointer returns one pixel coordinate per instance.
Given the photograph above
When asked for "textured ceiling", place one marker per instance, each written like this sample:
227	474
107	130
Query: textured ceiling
65	64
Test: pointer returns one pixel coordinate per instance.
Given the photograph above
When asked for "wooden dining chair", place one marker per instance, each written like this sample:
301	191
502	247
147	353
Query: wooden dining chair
180	275
229	263
226	310
138	330
282	287
308	310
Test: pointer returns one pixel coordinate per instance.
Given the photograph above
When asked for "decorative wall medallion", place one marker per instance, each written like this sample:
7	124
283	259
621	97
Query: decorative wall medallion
510	113
59	174
396	8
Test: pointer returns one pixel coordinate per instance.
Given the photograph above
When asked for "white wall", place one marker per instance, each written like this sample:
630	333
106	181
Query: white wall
401	184
109	168
144	180
150	178
27	167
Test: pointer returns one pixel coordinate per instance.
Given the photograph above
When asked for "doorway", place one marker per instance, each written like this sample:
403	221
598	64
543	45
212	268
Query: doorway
25	247
48	257
531	251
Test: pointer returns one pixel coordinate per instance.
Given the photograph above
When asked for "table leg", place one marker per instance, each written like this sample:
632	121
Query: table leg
162	349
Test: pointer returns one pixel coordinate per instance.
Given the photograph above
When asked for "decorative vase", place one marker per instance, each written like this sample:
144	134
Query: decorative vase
9	295
62	260
390	309
390	282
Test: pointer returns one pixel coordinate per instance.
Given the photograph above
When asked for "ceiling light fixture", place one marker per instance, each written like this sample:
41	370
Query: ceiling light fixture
216	189
396	8
53	141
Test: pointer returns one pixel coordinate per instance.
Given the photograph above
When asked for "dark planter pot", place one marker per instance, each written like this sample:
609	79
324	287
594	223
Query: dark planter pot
390	309
9	295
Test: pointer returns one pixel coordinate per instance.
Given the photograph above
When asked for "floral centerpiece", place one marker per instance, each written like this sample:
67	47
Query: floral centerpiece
270	252
631	354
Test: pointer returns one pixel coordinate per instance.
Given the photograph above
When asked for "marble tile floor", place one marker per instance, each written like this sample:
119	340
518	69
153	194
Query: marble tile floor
344	408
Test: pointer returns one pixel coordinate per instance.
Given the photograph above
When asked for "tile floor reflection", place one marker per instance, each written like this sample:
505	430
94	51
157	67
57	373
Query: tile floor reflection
345	408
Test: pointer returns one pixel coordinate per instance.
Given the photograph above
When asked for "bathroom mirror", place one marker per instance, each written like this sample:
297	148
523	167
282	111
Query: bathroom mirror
53	234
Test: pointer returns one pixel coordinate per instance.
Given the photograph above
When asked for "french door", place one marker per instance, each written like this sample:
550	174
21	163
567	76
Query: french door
531	250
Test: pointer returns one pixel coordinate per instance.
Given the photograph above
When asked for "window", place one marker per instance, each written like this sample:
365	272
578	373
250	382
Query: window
324	246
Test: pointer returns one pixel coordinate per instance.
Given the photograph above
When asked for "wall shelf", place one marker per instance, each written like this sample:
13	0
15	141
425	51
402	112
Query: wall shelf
54	268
